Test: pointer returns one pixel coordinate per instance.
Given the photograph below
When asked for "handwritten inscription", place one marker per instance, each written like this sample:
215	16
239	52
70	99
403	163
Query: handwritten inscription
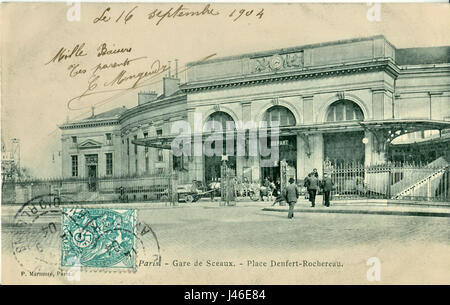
179	12
75	70
64	54
124	63
103	50
106	16
155	68
96	80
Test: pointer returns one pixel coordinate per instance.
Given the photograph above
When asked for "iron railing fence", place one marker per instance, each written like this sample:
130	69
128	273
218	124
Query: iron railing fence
400	181
103	189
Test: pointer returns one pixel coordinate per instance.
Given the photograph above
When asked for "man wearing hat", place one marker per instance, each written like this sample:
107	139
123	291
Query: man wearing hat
291	195
327	186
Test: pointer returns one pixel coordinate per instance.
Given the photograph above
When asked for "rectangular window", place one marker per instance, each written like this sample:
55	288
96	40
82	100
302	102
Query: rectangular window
74	166
160	155
74	139
147	167
178	162
146	148
159	132
108	138
128	155
135	146
109	164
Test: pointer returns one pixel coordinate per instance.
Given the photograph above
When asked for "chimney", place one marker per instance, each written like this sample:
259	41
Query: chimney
146	97
170	85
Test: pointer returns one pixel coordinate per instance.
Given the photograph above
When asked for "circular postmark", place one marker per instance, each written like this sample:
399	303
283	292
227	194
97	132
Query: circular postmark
49	236
35	233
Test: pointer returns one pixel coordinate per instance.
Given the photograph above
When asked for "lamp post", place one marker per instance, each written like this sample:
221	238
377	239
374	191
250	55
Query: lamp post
16	150
224	180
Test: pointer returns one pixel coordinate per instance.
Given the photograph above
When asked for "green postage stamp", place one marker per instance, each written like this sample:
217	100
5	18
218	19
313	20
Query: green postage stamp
99	238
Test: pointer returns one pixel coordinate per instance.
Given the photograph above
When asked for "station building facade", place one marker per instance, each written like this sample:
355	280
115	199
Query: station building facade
343	101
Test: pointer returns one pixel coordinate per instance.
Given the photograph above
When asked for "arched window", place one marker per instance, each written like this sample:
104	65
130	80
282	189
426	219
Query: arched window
344	110
281	114
222	118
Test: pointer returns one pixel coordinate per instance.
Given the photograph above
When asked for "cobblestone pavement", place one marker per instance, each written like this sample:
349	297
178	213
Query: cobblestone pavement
245	233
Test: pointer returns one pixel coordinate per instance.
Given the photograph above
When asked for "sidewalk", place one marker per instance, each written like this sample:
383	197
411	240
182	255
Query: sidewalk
368	207
359	206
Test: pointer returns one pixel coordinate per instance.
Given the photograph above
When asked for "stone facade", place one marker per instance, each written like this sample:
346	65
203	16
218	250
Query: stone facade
305	80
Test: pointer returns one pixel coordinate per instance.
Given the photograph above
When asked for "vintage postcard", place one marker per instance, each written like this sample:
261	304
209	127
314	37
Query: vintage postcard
232	143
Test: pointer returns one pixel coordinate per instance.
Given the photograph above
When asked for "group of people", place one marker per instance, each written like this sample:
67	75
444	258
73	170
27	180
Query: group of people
313	184
272	188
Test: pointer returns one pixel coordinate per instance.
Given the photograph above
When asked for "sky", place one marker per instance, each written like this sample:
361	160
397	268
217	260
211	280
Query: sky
35	93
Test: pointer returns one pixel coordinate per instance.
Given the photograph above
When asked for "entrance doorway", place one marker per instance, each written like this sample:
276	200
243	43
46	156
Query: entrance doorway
91	164
287	152
344	147
212	167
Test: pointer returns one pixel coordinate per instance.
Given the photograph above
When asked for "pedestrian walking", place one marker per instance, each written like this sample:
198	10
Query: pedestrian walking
315	173
327	186
306	184
291	194
271	190
279	195
313	186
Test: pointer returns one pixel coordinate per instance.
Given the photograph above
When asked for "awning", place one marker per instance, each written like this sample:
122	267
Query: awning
384	130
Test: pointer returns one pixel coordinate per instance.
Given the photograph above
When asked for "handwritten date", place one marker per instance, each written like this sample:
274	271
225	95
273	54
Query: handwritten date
179	12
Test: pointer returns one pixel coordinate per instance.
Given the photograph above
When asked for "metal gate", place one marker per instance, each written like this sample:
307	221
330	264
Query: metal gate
397	181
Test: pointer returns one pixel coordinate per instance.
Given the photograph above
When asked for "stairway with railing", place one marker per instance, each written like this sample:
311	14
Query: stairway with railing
398	181
429	182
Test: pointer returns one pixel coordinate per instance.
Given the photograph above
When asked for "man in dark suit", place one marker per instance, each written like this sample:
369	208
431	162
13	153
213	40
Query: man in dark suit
327	186
291	195
313	185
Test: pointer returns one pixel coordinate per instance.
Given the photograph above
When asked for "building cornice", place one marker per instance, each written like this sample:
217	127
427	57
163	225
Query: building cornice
291	49
160	103
386	65
89	124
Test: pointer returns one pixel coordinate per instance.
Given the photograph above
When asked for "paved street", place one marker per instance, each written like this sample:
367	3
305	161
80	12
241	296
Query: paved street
243	233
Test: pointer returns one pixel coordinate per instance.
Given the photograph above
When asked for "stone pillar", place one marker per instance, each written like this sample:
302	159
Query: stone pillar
302	158
308	109
196	162
438	106
382	104
82	166
242	161
316	159
101	164
64	155
372	155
